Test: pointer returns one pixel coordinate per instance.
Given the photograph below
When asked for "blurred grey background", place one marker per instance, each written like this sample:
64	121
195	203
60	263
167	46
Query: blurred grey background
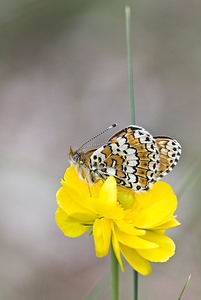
63	78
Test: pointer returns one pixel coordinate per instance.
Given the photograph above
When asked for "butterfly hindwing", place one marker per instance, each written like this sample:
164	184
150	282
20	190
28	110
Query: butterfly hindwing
170	152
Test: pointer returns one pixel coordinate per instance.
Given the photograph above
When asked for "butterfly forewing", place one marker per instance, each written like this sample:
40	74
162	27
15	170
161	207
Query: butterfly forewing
131	156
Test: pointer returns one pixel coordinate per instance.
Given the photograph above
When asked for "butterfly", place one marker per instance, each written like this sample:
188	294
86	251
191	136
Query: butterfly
133	156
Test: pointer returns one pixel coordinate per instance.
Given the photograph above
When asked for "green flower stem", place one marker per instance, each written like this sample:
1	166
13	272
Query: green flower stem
132	106
135	285
115	276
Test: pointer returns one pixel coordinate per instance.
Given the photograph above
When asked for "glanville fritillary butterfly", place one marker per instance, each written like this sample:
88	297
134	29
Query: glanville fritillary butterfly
133	156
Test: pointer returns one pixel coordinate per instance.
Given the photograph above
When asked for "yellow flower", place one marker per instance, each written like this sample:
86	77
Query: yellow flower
135	223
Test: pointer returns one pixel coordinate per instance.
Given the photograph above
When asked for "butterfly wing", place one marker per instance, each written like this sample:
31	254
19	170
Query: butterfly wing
131	156
169	152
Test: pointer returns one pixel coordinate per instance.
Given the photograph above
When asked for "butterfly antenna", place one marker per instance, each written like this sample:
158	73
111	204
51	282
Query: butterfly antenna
93	145
110	127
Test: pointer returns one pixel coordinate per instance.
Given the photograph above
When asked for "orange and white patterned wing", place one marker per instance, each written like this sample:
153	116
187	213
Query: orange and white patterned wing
169	152
131	156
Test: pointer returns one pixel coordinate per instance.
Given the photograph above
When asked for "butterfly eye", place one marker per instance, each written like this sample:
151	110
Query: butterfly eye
76	157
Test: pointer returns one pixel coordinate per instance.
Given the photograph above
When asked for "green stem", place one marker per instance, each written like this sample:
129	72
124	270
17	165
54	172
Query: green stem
132	107
187	184
185	286
130	64
99	289
115	276
135	285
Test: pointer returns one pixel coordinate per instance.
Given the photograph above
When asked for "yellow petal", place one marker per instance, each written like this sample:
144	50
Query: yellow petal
82	218
69	228
172	223
137	262
108	192
69	199
129	228
102	236
166	248
164	190
74	195
155	207
107	205
71	178
116	248
134	242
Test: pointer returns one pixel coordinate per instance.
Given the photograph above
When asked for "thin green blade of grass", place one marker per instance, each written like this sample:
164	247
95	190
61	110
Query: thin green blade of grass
185	286
187	182
130	64
99	288
132	107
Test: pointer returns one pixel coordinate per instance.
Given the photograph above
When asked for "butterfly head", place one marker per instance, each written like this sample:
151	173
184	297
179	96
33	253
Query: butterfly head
80	160
75	157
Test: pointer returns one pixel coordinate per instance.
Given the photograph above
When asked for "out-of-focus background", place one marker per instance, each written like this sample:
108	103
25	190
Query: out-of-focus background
63	78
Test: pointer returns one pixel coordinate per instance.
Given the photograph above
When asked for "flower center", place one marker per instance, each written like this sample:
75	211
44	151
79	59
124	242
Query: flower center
125	198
